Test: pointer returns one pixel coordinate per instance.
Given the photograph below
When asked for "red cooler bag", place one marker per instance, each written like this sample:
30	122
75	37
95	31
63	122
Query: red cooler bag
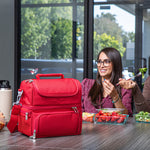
47	107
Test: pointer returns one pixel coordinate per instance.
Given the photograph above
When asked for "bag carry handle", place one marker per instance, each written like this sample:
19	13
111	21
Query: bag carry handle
50	75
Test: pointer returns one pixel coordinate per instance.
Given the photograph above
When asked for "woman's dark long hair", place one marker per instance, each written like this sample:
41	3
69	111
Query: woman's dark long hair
96	91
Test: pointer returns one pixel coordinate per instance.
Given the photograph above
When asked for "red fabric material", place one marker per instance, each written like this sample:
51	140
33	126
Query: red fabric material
50	121
13	122
50	92
48	106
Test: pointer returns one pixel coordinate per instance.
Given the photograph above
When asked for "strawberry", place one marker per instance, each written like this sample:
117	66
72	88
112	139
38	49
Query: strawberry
108	114
122	115
99	120
117	116
101	112
114	113
108	118
113	118
97	116
103	117
121	119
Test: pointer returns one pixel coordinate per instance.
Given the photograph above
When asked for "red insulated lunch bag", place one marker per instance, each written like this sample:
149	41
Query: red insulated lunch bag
47	107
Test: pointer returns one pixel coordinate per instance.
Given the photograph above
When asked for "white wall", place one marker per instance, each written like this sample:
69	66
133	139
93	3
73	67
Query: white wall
7	41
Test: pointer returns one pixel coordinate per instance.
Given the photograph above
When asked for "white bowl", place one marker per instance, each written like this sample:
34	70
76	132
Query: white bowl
118	110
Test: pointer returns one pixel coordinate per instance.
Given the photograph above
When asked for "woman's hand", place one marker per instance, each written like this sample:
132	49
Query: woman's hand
109	89
126	84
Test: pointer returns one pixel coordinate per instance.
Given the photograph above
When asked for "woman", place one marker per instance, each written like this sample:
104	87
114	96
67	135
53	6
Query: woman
103	92
141	101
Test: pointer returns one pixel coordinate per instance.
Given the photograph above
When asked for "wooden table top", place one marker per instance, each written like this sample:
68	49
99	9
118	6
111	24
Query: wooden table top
132	136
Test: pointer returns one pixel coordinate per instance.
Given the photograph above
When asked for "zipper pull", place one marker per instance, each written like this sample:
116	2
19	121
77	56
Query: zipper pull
75	109
29	80
33	136
26	116
20	92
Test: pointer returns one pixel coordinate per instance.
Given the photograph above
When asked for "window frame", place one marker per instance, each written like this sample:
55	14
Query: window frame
88	35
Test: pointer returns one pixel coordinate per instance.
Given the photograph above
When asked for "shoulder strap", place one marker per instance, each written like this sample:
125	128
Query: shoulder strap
13	122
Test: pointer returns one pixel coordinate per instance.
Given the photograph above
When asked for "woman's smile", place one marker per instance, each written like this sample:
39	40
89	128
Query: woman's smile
103	70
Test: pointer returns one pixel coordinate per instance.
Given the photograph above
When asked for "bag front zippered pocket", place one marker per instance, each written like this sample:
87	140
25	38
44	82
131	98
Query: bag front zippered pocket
56	123
24	122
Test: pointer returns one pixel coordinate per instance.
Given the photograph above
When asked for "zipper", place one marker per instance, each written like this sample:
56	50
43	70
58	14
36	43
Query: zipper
51	107
33	136
74	109
26	116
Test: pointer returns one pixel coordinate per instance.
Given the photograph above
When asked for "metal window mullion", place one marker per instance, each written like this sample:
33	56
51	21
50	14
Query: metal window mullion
88	39
138	37
74	45
17	48
50	5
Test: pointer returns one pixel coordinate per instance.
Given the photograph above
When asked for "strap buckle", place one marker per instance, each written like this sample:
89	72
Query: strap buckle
20	92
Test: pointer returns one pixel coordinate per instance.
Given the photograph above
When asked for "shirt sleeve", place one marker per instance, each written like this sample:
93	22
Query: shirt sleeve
146	90
86	103
141	101
127	100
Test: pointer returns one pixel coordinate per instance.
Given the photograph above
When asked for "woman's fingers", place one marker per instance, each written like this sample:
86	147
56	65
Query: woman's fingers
120	79
127	84
107	84
108	87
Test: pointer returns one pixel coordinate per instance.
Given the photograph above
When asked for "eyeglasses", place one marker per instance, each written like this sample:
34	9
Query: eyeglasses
105	62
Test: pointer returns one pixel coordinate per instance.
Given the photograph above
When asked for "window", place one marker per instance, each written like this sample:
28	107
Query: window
114	26
52	38
65	36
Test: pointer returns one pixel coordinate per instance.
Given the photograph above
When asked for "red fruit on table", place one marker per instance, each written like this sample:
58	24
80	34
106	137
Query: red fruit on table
99	120
122	115
103	117
114	113
101	112
117	116
121	120
113	118
108	118
108	114
97	116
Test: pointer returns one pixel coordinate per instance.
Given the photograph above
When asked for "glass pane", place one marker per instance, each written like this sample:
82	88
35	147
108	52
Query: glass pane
146	39
80	0
100	0
80	42
114	26
47	39
44	1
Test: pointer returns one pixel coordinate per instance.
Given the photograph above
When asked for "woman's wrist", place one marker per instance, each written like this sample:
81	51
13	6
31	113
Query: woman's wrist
115	98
